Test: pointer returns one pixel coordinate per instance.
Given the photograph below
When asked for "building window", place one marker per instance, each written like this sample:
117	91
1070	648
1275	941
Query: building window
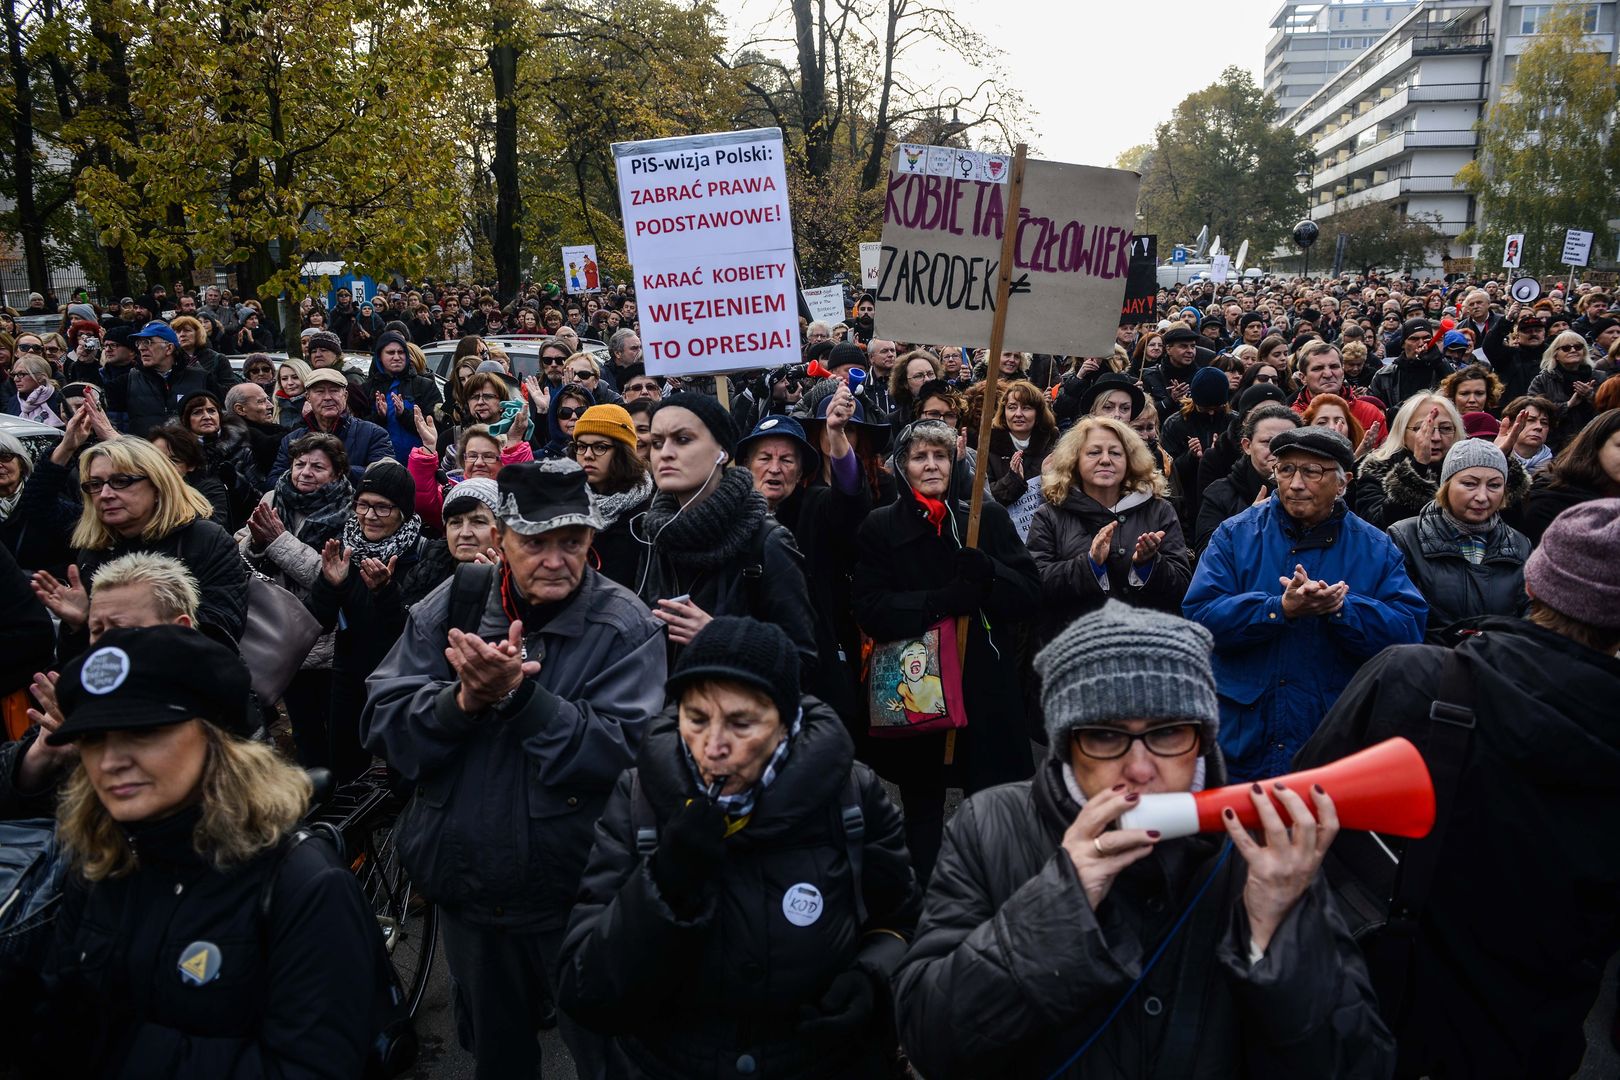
1532	16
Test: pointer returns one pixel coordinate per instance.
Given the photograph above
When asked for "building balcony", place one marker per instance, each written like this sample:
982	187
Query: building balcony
1453	92
1449	42
1390	189
1388	148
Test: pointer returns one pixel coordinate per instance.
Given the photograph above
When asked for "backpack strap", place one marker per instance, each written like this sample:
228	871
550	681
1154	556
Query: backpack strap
643	821
852	819
469	596
298	836
1445	743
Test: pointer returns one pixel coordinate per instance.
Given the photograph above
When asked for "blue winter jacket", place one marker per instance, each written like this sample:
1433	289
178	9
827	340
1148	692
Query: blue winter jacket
364	441
1276	677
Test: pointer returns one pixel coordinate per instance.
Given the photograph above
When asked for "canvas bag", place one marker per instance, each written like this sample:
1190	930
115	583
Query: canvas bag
930	699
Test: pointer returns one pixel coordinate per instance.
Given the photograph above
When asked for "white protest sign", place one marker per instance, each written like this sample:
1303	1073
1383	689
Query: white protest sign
579	268
942	253
1513	251
1219	267
707	229
826	304
871	255
358	289
1577	248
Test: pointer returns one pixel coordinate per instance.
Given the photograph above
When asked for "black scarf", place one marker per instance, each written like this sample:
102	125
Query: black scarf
709	533
323	510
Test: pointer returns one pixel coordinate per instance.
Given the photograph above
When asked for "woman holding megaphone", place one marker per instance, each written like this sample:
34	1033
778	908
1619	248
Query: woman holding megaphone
1059	941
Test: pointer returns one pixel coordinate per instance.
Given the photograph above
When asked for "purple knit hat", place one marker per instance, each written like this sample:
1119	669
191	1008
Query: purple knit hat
1572	571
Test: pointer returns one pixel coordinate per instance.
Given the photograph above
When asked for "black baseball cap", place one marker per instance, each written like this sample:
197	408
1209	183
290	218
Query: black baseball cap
152	676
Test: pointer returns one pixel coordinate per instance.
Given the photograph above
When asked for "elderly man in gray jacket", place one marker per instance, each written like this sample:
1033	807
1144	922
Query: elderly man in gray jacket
513	727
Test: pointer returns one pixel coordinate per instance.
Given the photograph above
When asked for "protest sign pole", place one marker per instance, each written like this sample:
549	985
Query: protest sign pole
992	369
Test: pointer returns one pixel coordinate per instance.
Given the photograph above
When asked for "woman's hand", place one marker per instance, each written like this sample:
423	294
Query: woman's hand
426	430
1015	464
69	602
1098	855
335	563
1101	543
376	573
74	435
539	396
683	618
1370	440
1147	548
1425	432
1508	437
264	525
100	426
1281	869
519	430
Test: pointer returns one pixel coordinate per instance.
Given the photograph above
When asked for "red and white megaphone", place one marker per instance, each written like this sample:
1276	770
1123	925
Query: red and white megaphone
1384	788
816	371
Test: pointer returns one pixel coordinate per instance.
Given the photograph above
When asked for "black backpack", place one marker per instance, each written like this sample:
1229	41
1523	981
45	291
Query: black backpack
393	1044
1383	884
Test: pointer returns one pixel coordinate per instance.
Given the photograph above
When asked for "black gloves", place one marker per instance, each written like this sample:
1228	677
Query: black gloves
974	566
843	1011
689	852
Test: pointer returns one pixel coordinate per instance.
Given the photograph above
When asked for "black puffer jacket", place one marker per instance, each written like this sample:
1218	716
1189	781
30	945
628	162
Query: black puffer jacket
1558	386
1012	970
1400	379
139	399
1455	588
1495	995
293	993
731	558
634	968
1227	498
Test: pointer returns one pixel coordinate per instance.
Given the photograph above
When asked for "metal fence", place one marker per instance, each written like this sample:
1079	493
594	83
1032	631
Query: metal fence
14	288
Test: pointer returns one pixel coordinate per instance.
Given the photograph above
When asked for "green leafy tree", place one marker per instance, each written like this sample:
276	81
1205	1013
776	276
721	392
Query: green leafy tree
1548	158
1220	161
1378	236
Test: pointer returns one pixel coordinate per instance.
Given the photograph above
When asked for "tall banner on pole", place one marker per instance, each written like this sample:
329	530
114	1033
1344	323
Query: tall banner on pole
707	230
945	215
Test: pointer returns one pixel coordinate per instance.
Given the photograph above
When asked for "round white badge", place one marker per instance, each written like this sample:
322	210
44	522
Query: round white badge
105	670
802	904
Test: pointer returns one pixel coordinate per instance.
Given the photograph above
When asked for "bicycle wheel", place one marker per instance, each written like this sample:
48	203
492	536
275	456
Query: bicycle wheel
409	922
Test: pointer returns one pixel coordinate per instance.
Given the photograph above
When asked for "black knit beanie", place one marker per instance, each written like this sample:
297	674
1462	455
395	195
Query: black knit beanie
709	411
393	482
739	649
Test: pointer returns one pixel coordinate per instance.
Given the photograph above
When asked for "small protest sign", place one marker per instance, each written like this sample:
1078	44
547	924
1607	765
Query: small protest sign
826	304
707	229
942	253
871	254
579	268
1513	251
1220	268
1141	283
1577	248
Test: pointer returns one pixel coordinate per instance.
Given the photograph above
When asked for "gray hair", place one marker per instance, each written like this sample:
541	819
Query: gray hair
235	395
616	342
12	445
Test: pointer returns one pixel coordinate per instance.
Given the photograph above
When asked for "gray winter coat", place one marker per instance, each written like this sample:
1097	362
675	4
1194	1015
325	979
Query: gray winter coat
1455	588
1012	970
501	819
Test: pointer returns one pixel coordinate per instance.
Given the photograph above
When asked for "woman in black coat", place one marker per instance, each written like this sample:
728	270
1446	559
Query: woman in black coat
710	545
913	571
195	937
1588	468
748	895
1059	940
1022	433
604	444
1461	555
1568	379
36	516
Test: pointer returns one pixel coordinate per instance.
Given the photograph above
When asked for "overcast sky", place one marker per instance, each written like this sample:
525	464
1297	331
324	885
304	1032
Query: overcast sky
1097	74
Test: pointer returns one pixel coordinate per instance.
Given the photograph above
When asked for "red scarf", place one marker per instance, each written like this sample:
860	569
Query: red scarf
932	509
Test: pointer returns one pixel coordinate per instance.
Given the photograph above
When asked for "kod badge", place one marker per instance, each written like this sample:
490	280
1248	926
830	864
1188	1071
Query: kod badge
199	963
802	904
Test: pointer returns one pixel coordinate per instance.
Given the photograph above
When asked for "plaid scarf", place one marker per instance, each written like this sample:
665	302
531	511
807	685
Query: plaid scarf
739	806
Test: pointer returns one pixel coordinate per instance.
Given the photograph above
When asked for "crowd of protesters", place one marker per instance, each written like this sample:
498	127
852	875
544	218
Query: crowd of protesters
618	638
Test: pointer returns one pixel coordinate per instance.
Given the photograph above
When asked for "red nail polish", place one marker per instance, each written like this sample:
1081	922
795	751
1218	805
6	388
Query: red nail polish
1279	787
1119	787
1132	797
1320	790
1228	814
1258	790
1153	834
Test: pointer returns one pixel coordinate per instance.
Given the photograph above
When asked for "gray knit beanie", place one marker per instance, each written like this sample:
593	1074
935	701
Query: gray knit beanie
1126	663
1473	454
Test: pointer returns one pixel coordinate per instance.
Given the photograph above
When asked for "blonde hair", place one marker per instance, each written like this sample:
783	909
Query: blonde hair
1061	472
251	799
1549	356
1395	441
178	504
36	366
595	367
417	356
299	368
173	589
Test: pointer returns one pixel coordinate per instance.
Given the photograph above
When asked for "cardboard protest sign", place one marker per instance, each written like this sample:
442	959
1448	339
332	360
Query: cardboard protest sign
825	304
707	230
1220	267
1141	283
1513	251
942	252
871	254
579	268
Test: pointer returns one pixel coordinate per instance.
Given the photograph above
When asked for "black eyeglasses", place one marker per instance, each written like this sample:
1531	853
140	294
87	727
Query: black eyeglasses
7	457
1107	744
592	450
117	481
554	361
571	412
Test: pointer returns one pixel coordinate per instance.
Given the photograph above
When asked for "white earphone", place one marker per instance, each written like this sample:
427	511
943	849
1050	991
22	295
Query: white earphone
720	458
